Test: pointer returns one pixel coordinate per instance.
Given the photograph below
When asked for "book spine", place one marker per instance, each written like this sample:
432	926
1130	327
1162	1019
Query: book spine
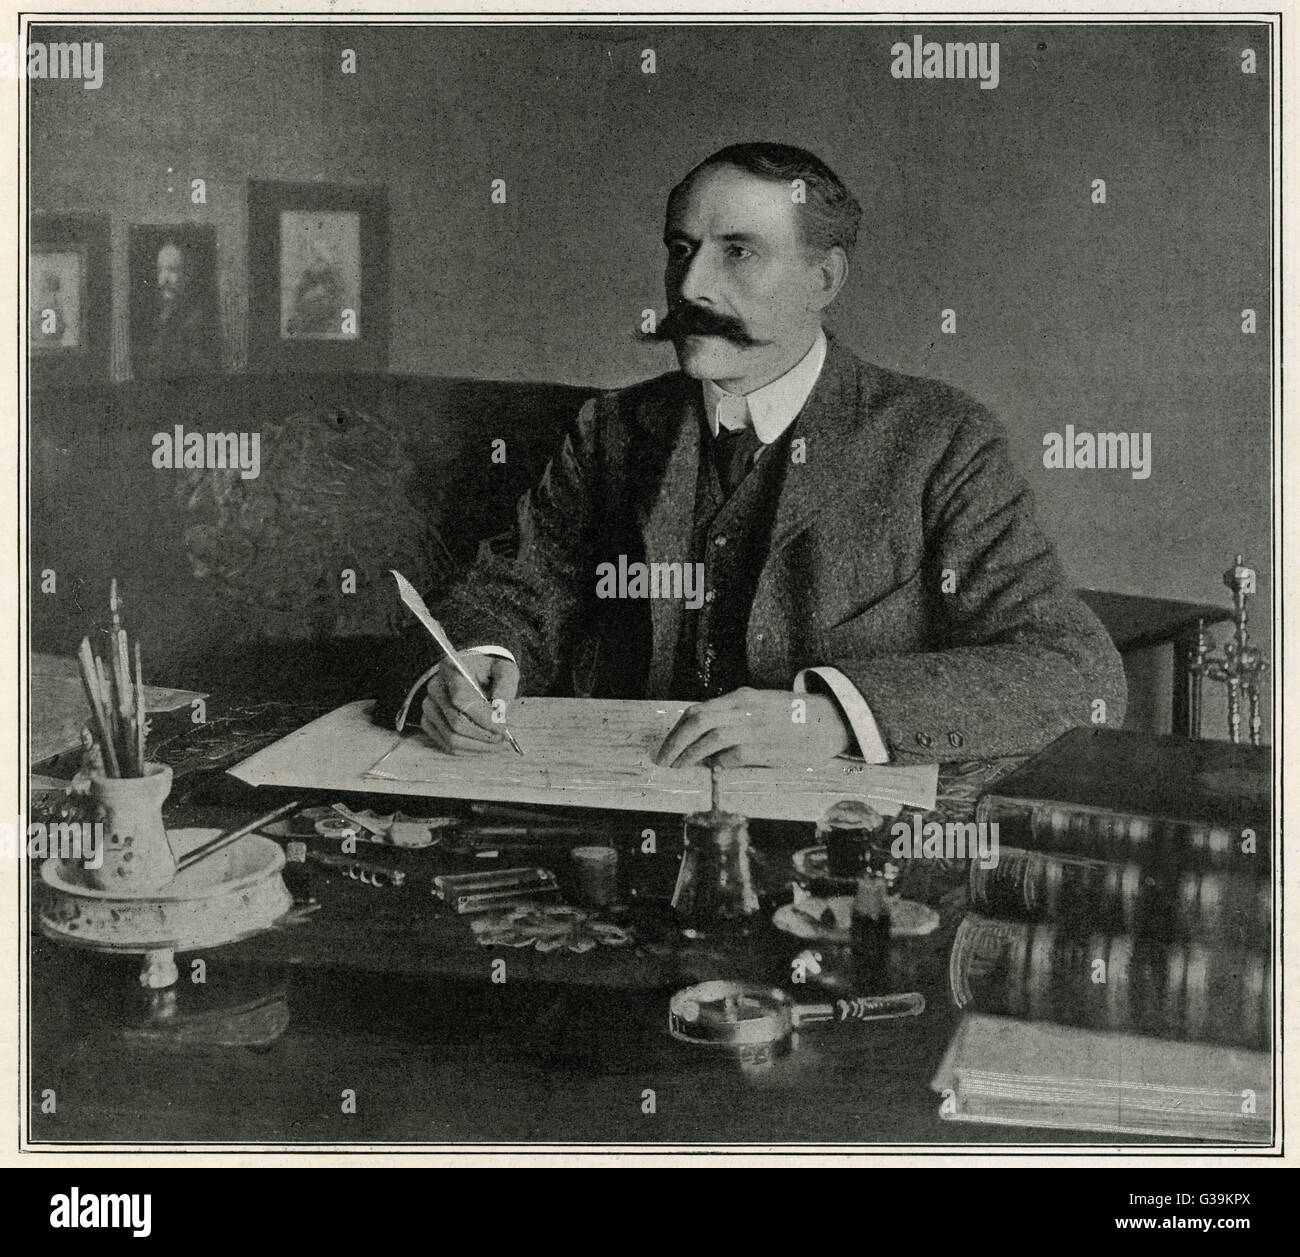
1076	829
1112	982
1160	902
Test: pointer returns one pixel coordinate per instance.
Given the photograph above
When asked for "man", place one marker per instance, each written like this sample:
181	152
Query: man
865	542
180	341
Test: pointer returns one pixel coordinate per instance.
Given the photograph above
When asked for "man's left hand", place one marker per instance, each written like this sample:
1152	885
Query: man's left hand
758	729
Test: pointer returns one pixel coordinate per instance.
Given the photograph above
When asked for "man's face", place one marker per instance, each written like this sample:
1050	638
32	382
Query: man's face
735	250
171	272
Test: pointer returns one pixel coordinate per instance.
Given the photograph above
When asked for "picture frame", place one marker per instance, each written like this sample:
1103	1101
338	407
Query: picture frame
318	277
173	314
69	299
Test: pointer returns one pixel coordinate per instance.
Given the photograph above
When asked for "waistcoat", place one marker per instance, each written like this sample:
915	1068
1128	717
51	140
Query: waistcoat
730	538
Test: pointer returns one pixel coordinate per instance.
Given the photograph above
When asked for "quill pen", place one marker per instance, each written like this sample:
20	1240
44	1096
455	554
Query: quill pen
415	604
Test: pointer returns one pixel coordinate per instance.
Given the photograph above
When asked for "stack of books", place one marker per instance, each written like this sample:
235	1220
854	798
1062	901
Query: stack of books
1116	966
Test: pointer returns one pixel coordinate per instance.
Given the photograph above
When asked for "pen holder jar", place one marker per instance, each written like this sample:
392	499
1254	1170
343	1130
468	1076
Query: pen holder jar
135	853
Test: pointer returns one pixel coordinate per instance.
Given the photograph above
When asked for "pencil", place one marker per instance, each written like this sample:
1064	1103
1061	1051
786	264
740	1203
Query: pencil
221	841
104	710
120	667
90	683
139	709
106	699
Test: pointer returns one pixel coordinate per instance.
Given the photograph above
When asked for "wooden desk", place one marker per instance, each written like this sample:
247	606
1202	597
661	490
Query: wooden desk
384	997
1135	623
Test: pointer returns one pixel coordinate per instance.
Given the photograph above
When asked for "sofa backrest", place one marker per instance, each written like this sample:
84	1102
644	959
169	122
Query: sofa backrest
356	474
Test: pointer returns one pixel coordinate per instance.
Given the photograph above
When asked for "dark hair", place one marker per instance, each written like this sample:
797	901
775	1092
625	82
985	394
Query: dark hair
831	212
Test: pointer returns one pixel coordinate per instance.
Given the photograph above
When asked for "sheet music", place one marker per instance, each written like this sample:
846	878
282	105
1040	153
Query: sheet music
577	753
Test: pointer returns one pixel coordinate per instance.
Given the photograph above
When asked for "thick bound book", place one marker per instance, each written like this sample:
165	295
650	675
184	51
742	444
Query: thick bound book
1203	993
1157	900
1025	1073
1127	796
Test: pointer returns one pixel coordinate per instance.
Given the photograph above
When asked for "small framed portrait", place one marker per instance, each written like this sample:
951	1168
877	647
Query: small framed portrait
69	301
318	277
57	300
175	329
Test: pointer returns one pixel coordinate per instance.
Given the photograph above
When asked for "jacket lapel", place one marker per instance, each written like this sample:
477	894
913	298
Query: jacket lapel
815	481
815	470
665	522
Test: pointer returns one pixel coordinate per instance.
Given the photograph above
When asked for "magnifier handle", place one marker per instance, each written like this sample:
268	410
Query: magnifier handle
862	1008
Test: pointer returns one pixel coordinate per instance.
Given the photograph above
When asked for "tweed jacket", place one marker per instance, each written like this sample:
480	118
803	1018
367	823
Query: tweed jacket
904	552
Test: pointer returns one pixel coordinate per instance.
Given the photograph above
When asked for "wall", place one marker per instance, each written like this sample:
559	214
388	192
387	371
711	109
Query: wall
1117	317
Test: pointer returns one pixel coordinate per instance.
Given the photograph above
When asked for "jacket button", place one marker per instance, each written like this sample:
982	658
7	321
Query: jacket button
709	595
720	541
955	739
923	739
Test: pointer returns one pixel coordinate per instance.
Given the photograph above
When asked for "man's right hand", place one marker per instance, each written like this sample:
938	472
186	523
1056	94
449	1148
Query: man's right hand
456	719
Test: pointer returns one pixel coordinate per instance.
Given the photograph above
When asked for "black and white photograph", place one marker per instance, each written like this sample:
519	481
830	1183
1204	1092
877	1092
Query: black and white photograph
711	586
318	259
173	311
68	298
58	299
320	273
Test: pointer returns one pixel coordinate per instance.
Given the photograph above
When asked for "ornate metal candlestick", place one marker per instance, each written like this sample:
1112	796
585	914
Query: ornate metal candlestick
1238	666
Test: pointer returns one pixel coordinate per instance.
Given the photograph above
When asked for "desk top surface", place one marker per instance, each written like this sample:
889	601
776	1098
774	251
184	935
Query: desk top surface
1134	620
379	994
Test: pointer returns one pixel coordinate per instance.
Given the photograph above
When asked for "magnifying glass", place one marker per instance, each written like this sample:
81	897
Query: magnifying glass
757	1022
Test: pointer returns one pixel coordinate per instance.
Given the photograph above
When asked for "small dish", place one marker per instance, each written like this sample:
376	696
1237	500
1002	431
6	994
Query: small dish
828	920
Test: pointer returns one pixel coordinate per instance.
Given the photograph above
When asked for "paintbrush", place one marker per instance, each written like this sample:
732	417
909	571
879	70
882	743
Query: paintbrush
415	604
139	710
90	683
120	666
222	841
115	729
104	694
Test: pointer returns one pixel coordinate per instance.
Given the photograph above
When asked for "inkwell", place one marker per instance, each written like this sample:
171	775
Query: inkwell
715	895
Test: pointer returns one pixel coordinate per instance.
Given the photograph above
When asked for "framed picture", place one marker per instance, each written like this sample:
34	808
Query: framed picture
69	299
318	277
57	300
172	275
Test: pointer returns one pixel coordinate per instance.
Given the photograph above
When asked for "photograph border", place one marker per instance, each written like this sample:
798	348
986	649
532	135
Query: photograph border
371	354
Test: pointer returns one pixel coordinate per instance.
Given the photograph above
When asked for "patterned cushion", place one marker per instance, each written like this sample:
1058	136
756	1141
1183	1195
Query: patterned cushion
236	584
269	554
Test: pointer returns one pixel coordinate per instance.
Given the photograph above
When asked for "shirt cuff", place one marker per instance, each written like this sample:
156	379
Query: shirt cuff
499	651
871	744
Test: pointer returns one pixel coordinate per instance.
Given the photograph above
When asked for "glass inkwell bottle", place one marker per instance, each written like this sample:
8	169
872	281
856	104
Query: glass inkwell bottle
715	895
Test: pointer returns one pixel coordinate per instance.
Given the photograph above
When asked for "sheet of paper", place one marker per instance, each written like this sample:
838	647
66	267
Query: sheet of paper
577	753
58	705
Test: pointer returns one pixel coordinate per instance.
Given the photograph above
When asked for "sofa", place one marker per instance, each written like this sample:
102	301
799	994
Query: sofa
241	586
270	584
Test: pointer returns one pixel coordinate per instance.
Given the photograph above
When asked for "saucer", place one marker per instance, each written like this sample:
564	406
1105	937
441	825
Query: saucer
828	920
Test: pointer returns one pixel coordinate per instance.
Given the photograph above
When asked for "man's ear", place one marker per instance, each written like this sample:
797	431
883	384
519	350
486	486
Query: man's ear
832	271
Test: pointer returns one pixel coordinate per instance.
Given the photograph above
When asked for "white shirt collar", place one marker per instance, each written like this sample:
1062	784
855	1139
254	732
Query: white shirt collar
775	406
